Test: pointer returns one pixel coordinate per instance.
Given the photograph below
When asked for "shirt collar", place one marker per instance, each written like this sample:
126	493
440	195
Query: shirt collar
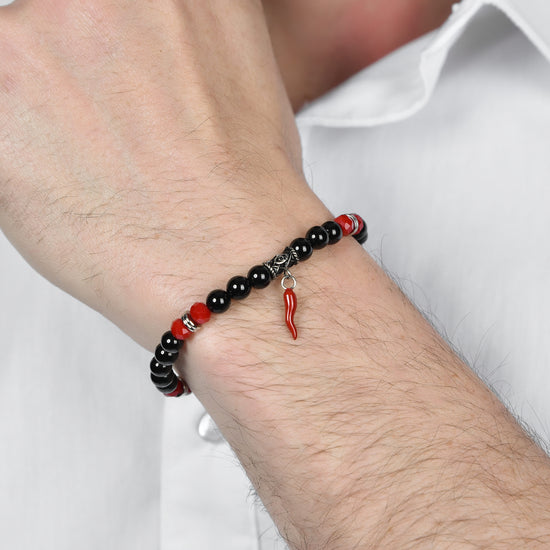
401	84
532	17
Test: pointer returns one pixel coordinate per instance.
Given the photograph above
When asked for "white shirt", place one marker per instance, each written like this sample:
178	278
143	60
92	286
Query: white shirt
442	147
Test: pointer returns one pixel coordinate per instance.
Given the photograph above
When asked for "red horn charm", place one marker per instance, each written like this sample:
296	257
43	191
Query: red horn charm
290	309
290	303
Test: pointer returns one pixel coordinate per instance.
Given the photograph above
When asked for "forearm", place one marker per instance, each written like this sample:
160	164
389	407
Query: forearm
367	431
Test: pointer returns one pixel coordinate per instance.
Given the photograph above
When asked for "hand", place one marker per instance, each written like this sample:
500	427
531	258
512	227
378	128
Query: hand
148	149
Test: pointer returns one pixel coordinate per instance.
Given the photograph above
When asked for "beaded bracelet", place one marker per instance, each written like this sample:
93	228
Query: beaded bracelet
239	287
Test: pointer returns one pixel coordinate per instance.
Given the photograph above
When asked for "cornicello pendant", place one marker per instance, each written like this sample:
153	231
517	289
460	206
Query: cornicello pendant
290	302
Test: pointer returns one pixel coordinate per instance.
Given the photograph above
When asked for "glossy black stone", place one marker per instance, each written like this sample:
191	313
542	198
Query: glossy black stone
165	357
259	276
363	235
334	231
317	237
170	343
302	247
171	387
162	382
238	287
159	369
218	301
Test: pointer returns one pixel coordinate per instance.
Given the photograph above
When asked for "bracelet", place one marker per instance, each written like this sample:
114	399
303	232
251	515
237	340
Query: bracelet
239	287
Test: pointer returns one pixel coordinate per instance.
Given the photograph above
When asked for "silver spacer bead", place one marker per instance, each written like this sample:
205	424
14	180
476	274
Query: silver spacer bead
188	322
355	221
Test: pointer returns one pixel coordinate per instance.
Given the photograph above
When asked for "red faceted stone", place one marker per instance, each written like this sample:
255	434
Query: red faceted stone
361	223
181	389
200	313
179	330
346	223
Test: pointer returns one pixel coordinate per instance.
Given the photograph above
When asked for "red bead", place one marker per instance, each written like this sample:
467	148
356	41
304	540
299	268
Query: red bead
346	223
361	224
200	313
181	389
179	330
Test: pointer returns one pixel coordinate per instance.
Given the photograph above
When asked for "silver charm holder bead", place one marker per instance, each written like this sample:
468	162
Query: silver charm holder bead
282	262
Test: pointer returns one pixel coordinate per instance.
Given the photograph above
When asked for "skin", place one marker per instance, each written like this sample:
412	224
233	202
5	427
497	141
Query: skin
135	164
320	43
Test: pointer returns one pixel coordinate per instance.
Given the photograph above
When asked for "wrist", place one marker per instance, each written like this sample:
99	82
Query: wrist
368	409
205	243
278	401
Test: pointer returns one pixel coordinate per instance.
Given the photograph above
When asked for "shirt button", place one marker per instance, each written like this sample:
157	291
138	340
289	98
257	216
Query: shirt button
208	430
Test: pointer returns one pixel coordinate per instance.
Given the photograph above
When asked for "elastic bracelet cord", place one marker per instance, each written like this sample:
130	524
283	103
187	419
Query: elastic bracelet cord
239	287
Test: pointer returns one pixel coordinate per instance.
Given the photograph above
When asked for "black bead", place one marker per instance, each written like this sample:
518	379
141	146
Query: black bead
218	301
165	357
363	235
238	287
171	387
170	343
302	248
317	237
158	369
162	382
259	276
334	231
